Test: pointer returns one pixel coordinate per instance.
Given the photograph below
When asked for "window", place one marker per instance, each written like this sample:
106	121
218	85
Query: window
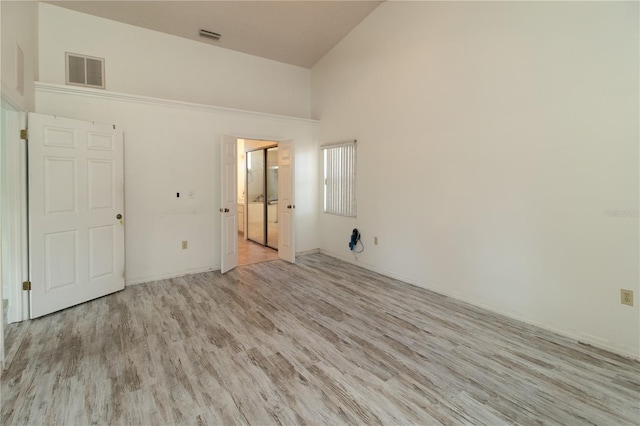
340	179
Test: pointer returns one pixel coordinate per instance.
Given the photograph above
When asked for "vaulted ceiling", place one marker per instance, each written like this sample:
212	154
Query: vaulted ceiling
295	32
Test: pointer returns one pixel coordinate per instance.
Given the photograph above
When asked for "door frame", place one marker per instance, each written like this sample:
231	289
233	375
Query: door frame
278	141
18	299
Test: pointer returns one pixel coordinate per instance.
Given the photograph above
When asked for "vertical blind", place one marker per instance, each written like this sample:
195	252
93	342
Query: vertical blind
340	179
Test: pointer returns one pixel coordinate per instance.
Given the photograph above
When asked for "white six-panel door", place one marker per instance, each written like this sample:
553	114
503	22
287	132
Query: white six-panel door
228	203
286	202
76	208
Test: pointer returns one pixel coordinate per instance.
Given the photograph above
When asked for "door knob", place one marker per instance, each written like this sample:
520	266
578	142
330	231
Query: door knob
225	210
119	216
289	206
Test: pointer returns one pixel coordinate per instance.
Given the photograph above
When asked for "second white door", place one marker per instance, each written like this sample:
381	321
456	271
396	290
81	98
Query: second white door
76	207
228	203
286	202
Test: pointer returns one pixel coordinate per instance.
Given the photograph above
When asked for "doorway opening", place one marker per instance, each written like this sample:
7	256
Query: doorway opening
236	205
258	227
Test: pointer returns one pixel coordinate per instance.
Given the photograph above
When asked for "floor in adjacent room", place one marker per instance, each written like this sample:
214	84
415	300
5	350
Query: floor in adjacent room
250	252
316	342
256	232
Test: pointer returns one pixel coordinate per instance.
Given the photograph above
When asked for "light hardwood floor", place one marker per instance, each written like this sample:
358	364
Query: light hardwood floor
318	342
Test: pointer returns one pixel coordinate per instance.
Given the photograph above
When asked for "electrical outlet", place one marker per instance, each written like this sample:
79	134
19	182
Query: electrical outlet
375	241
626	297
184	245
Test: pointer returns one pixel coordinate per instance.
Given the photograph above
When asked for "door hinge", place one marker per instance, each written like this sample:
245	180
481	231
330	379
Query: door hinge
26	285
23	134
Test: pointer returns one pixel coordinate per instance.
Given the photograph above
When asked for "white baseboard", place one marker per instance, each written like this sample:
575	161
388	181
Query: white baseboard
175	274
304	253
571	334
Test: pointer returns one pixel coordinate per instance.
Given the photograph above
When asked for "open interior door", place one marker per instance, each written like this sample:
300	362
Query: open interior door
76	203
286	202
229	203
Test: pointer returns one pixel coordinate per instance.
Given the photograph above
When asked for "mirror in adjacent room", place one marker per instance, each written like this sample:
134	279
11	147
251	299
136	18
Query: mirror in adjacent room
272	197
256	196
258	192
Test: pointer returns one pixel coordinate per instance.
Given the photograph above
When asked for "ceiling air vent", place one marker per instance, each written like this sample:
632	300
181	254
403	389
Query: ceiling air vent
85	70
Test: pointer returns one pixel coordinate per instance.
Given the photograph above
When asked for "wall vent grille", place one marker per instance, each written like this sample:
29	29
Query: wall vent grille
85	71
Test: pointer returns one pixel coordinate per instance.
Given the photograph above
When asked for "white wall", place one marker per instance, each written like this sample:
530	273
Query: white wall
175	147
150	63
493	139
19	28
